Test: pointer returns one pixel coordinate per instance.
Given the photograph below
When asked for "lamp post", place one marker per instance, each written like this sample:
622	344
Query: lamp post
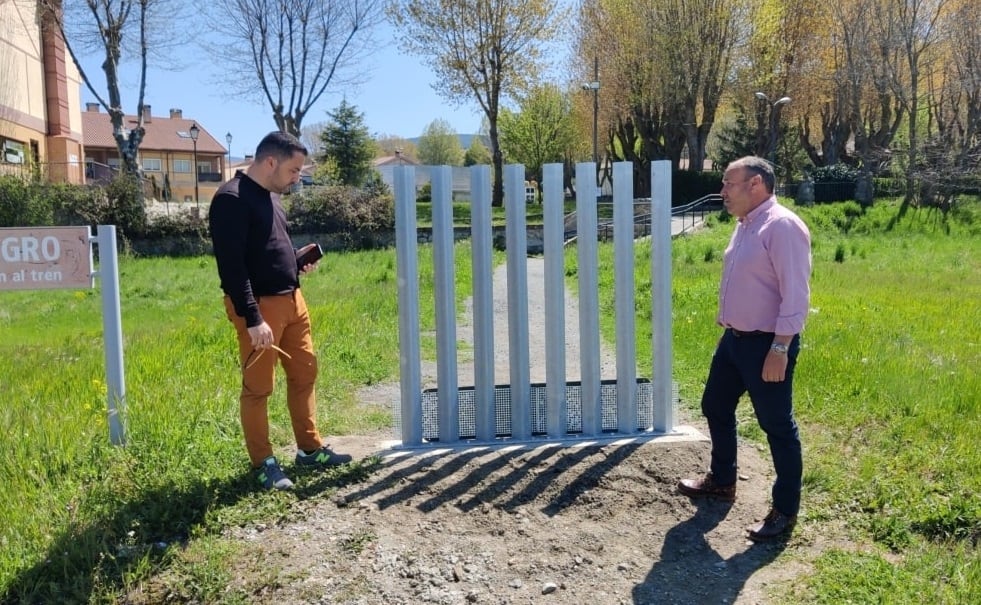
595	86
774	116
195	131
228	139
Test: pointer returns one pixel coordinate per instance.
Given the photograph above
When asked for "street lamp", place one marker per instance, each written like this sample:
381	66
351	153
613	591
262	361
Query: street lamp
774	115
195	131
228	139
595	86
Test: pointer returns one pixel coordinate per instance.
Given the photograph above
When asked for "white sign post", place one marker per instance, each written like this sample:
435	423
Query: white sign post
39	258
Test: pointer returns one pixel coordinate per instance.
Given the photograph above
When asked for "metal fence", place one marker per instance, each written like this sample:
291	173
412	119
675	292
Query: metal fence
523	411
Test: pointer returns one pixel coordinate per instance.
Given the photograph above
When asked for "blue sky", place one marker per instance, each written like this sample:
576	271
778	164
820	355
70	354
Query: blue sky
396	98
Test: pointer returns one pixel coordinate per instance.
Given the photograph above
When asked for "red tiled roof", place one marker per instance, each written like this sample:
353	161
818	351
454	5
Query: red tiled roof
160	134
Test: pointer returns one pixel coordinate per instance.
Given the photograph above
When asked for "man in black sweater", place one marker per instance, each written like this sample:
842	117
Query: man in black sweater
259	275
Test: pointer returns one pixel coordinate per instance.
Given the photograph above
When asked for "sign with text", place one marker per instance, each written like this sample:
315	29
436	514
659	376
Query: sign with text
45	258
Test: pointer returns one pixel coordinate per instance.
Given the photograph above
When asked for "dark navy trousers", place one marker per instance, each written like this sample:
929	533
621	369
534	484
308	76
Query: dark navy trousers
737	368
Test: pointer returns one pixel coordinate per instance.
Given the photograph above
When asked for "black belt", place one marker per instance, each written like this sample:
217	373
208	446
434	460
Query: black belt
741	334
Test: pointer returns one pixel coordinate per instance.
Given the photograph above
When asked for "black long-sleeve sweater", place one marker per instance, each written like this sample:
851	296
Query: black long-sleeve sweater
252	245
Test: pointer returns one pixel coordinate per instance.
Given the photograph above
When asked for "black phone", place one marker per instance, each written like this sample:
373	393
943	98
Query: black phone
309	257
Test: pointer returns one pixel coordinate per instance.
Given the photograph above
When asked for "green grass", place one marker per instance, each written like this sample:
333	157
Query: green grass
888	395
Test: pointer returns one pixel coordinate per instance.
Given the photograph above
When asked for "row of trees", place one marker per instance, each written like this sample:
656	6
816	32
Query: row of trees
876	84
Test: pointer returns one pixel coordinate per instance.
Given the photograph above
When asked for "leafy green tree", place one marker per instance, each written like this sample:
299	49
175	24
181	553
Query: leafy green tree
348	146
542	131
482	50
477	153
439	145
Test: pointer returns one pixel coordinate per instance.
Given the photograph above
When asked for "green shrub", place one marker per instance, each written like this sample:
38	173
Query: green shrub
119	204
22	203
339	209
836	173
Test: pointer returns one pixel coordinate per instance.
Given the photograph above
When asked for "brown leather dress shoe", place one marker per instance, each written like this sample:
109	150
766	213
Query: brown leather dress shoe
706	487
775	525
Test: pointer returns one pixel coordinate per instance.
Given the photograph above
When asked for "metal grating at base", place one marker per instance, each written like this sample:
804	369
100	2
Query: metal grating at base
539	416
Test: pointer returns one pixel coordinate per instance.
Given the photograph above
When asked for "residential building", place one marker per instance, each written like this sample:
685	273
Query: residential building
179	167
40	108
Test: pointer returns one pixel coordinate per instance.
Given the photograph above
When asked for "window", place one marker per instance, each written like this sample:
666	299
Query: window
182	166
13	152
151	164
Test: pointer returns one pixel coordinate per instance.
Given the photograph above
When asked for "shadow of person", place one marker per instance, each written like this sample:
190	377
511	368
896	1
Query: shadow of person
689	570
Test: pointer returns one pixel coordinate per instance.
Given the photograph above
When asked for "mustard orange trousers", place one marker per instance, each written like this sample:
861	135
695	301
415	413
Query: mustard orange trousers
287	315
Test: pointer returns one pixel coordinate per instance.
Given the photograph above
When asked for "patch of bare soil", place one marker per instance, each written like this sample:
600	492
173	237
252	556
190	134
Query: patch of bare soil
589	524
598	523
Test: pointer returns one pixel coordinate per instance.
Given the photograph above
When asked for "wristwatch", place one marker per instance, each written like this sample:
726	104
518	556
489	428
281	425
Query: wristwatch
779	348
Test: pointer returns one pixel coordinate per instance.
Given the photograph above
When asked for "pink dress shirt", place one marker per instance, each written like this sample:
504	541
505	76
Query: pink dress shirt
766	271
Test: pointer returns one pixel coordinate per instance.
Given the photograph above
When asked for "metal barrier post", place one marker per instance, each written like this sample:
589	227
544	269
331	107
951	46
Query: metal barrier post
410	365
626	331
517	243
445	304
589	337
481	240
554	249
664	406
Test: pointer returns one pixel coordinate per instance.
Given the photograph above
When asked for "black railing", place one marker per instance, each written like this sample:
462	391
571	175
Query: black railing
691	215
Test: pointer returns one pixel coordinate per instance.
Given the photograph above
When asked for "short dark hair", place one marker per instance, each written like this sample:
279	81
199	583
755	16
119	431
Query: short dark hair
280	145
757	165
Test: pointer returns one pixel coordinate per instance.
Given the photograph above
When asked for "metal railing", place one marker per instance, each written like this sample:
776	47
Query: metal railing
691	215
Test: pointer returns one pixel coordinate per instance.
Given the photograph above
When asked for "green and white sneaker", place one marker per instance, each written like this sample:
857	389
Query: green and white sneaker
271	476
322	457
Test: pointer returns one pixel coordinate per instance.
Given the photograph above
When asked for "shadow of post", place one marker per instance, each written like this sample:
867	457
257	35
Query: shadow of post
689	570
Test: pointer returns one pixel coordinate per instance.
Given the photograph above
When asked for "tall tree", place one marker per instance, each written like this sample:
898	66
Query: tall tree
483	50
120	31
439	145
295	49
477	154
694	42
347	146
911	26
541	132
663	67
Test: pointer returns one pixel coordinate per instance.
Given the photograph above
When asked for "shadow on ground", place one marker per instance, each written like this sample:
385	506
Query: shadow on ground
687	555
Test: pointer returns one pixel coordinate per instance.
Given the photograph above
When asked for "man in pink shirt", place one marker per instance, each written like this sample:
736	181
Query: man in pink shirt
763	300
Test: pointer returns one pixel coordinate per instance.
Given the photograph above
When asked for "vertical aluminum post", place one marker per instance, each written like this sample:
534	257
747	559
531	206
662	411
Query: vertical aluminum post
623	263
664	404
481	238
589	337
410	364
112	329
553	207
518	347
444	270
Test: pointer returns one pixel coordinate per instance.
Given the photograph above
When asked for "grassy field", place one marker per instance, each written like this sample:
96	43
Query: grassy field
888	396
